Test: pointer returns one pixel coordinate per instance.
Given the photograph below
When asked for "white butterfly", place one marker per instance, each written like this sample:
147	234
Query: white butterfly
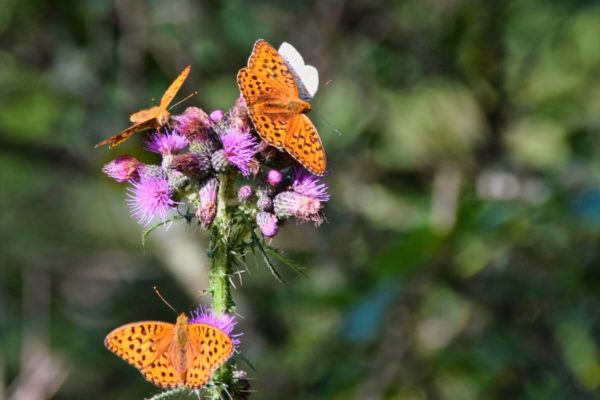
306	76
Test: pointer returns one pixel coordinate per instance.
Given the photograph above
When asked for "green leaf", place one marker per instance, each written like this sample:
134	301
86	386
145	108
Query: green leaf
271	266
285	260
246	361
157	225
168	393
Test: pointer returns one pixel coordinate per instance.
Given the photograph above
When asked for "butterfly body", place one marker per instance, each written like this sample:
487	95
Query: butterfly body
282	105
171	355
155	114
179	347
150	118
276	109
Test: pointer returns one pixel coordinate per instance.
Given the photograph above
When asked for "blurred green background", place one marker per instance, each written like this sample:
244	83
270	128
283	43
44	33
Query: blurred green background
460	255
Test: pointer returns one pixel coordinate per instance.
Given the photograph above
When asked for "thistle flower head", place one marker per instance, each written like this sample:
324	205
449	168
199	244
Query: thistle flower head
292	204
264	199
194	164
123	169
193	124
267	223
219	161
244	193
150	198
309	185
223	322
208	202
166	144
239	147
274	177
238	116
216	116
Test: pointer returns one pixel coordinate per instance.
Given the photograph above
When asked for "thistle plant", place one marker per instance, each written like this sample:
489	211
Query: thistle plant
217	173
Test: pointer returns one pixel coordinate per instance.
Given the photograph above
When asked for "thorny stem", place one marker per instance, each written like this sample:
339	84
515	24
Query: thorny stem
219	285
220	288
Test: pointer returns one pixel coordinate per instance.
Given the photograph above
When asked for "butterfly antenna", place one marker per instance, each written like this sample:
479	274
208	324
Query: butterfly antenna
336	130
163	299
181	101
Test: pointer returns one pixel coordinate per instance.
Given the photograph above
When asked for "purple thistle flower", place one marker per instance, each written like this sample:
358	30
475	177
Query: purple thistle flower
310	185
223	322
239	117
264	201
240	148
193	124
150	198
274	177
216	116
219	161
267	223
194	164
244	193
166	144
292	204
208	202
123	169
177	180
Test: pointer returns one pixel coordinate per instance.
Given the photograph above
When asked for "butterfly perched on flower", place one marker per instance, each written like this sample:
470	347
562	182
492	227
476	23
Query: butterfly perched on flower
173	355
275	89
149	118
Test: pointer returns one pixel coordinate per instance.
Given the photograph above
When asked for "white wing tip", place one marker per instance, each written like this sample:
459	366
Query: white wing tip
307	76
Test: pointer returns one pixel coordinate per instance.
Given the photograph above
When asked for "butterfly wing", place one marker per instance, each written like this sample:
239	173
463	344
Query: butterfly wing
269	67
144	345
267	78
144	115
210	348
162	372
304	144
306	76
291	55
255	88
171	92
271	127
125	134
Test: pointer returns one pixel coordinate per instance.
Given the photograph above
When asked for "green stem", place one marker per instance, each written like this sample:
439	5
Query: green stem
221	267
219	285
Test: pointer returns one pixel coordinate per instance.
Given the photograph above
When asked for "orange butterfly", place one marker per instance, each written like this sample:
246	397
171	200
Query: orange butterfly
276	110
170	355
149	118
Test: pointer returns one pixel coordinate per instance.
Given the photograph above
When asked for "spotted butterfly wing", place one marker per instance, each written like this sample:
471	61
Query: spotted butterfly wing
271	126
163	373
211	348
268	65
303	142
144	345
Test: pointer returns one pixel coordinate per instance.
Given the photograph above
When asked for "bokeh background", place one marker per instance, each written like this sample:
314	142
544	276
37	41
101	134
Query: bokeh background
460	255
